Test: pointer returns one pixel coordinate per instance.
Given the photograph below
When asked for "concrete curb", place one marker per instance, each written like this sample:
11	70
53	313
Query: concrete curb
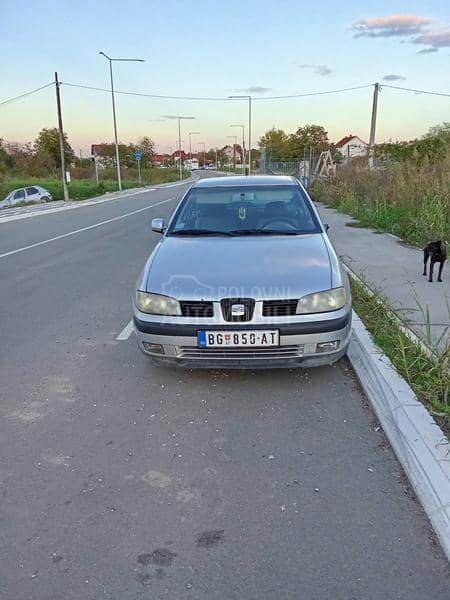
420	445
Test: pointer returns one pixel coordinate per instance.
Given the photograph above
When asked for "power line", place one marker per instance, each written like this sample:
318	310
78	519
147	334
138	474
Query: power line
395	87
10	100
215	99
219	99
159	96
306	94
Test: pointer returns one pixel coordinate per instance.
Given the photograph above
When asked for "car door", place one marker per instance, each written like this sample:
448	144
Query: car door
19	196
33	194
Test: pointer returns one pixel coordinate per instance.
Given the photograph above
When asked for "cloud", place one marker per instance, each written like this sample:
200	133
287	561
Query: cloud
322	70
390	26
394	78
427	50
436	38
254	89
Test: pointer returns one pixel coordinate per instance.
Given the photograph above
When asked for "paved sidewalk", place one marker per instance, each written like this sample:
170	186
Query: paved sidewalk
387	263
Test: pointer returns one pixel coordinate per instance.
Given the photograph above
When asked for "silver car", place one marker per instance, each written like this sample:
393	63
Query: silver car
33	193
244	276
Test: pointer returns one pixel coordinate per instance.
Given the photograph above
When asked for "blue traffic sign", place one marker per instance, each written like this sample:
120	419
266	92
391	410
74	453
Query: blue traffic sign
138	154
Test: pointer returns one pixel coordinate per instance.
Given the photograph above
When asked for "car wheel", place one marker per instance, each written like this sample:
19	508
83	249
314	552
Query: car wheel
45	199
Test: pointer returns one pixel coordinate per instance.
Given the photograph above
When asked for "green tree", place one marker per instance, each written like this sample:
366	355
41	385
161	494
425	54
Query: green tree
275	143
439	131
46	147
6	160
313	137
147	145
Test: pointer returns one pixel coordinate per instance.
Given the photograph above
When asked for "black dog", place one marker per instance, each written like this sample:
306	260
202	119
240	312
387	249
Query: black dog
437	253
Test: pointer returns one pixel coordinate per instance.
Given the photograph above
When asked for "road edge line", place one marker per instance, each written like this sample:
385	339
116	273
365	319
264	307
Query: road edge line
418	442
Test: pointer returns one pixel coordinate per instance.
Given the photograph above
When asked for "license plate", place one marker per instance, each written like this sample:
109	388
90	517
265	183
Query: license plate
238	339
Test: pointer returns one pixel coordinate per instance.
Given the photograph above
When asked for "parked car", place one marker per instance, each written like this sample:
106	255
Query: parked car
34	193
244	276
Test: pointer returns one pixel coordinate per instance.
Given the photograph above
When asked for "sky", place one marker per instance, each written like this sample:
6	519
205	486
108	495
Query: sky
216	49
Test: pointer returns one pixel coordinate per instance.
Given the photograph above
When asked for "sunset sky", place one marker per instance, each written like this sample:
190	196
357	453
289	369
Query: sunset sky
215	49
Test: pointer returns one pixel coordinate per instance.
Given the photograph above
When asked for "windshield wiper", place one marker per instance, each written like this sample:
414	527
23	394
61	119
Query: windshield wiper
262	232
198	232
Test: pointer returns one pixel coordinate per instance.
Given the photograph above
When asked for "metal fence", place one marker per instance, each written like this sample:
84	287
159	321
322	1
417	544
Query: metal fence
301	169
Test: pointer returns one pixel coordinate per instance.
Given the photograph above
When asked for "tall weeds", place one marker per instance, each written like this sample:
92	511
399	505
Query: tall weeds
409	199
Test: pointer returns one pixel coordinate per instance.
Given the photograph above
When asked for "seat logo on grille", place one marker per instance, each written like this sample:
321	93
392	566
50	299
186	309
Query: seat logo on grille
237	310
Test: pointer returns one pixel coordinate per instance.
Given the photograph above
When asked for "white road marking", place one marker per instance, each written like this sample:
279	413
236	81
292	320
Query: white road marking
71	233
126	331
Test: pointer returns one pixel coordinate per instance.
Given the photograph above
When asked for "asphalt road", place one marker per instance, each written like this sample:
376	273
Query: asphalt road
121	480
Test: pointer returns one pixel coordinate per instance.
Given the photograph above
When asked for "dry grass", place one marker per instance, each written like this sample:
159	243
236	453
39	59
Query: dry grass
407	199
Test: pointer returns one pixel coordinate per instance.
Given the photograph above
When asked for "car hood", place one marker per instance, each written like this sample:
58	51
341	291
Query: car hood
254	267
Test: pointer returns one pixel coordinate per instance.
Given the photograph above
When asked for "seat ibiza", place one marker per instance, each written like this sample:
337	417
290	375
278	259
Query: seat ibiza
243	276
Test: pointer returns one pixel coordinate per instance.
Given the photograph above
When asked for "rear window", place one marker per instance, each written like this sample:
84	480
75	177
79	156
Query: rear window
19	194
228	209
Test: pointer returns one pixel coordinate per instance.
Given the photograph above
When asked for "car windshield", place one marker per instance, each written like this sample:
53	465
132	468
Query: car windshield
259	210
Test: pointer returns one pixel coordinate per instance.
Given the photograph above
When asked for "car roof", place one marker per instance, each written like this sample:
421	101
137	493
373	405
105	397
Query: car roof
241	181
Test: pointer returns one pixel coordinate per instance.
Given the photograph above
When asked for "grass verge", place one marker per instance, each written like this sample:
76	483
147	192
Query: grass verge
429	379
81	189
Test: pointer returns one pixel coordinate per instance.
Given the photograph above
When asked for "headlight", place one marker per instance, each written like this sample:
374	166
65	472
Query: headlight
156	304
321	301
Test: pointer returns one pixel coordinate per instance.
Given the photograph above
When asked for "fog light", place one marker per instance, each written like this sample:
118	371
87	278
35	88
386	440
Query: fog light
327	346
153	348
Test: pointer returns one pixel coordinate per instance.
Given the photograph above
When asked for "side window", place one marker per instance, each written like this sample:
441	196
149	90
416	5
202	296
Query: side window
32	190
19	194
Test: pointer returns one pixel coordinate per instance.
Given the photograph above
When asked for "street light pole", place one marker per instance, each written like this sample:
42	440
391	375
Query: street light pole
234	150
179	119
249	98
204	152
243	143
190	141
116	141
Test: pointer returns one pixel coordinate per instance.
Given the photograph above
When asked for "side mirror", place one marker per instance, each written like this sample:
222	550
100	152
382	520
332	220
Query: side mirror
158	225
326	226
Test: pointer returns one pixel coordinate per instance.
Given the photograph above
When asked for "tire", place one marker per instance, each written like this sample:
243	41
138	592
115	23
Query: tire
45	199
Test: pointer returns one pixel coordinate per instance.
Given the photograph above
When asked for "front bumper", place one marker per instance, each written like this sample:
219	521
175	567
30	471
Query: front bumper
298	343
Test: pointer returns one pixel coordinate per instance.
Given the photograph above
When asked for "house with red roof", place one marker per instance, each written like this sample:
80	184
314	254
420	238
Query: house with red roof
351	146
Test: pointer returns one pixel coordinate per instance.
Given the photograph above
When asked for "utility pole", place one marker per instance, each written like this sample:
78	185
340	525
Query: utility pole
61	140
373	123
179	148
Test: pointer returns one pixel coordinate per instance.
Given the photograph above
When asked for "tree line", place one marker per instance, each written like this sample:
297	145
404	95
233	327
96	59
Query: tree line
43	157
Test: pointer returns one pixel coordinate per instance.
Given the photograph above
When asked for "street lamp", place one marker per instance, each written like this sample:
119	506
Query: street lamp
111	60
190	141
180	118
204	152
243	143
234	150
249	98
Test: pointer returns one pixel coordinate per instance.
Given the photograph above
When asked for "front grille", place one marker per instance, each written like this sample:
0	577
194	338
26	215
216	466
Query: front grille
227	304
279	308
197	308
240	353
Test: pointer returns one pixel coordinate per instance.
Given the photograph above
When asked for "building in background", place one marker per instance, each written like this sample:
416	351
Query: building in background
352	146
